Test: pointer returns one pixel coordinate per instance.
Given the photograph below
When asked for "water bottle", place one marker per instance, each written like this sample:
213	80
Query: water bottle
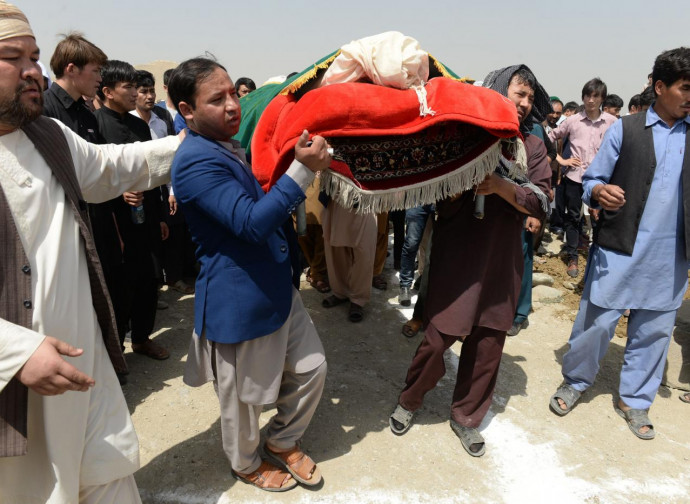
138	215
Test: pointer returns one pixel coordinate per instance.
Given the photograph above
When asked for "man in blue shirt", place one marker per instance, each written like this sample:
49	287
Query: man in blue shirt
641	245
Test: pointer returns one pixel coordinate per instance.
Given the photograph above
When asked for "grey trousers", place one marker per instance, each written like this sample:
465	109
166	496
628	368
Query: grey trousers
287	367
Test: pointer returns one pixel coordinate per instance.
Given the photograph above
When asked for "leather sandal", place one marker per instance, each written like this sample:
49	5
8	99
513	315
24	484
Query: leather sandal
332	301
411	328
268	477
320	285
356	313
297	463
151	349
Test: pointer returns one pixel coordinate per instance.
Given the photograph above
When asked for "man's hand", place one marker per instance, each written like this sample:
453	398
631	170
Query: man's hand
314	156
532	224
47	373
134	198
165	231
492	184
593	213
609	196
573	162
172	201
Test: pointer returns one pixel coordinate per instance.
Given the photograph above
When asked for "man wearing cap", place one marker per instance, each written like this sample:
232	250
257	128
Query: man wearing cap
65	432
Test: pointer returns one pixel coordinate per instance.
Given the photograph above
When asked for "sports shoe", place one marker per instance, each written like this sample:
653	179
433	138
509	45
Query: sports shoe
405	298
517	327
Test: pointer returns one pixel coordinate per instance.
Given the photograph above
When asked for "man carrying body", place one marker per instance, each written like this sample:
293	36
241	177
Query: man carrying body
53	301
584	131
641	243
471	296
252	336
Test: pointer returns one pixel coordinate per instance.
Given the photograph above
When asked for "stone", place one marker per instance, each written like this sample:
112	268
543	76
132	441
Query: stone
541	279
545	294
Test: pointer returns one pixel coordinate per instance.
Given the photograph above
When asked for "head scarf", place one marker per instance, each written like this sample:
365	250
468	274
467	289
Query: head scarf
13	22
499	80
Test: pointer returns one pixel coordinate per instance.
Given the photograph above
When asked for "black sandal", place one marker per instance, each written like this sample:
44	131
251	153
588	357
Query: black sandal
356	313
332	301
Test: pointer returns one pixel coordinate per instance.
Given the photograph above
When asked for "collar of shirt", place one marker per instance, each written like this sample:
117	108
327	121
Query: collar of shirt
653	118
155	123
583	116
64	97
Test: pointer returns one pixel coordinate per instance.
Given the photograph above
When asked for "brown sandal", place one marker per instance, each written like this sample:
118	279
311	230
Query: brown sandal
150	349
411	328
297	463
320	285
268	477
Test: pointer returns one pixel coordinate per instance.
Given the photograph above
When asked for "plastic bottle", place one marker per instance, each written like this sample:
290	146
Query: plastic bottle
138	214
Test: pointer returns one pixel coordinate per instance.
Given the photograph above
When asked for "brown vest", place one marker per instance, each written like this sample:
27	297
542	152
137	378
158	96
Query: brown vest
16	305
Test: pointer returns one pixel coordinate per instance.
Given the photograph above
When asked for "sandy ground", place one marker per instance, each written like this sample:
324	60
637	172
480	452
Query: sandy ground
532	455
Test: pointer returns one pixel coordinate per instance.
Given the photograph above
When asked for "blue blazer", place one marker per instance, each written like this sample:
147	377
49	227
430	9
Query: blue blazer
244	289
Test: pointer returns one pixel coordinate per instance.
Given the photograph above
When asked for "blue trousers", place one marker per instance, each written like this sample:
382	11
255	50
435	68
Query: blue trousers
524	304
649	334
415	222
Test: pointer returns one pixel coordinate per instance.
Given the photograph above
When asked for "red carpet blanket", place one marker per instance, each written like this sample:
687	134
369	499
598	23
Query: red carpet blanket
386	156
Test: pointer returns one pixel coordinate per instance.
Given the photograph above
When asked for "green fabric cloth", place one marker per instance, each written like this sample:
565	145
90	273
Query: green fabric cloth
254	103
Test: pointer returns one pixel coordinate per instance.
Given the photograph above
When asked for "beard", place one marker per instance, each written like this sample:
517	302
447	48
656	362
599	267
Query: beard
15	112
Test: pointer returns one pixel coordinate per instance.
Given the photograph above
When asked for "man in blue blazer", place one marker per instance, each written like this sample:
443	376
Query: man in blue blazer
252	336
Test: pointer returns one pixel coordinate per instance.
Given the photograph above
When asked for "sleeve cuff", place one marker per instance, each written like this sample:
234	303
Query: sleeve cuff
302	175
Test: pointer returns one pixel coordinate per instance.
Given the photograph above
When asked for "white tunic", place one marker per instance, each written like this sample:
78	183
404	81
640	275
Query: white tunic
77	438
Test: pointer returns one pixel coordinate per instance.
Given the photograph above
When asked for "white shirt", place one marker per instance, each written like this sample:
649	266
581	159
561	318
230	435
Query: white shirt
77	438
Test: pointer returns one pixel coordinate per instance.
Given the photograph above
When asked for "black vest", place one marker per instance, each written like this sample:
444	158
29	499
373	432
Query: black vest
634	172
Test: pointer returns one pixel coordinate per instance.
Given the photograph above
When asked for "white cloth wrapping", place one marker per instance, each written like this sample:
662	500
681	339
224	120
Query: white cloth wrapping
77	438
389	59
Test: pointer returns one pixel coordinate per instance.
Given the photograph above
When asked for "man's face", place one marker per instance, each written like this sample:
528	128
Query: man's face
522	96
553	117
613	111
21	99
122	97
146	97
217	111
592	103
673	101
87	79
243	90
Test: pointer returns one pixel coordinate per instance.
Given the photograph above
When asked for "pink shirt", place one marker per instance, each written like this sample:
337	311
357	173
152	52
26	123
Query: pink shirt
585	137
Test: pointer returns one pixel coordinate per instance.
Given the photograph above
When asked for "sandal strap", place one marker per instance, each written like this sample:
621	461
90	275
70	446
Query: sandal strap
267	476
568	394
402	415
298	461
638	418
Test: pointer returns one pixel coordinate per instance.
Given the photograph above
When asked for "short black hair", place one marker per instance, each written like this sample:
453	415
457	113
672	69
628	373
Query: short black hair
524	76
571	105
114	71
245	81
166	76
185	79
634	102
671	66
144	79
594	86
613	101
648	96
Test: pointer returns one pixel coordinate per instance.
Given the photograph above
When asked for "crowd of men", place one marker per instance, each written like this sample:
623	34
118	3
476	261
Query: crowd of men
91	218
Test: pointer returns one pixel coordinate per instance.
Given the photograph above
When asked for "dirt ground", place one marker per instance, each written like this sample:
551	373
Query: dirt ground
532	455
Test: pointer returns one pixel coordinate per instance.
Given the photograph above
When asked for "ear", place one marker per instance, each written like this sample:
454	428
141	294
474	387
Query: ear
187	111
107	92
659	86
70	69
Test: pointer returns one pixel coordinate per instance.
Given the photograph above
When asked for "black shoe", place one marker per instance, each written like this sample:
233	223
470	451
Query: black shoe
517	327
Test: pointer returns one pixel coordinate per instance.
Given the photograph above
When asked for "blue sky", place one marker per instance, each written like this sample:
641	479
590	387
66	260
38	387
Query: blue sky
564	43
